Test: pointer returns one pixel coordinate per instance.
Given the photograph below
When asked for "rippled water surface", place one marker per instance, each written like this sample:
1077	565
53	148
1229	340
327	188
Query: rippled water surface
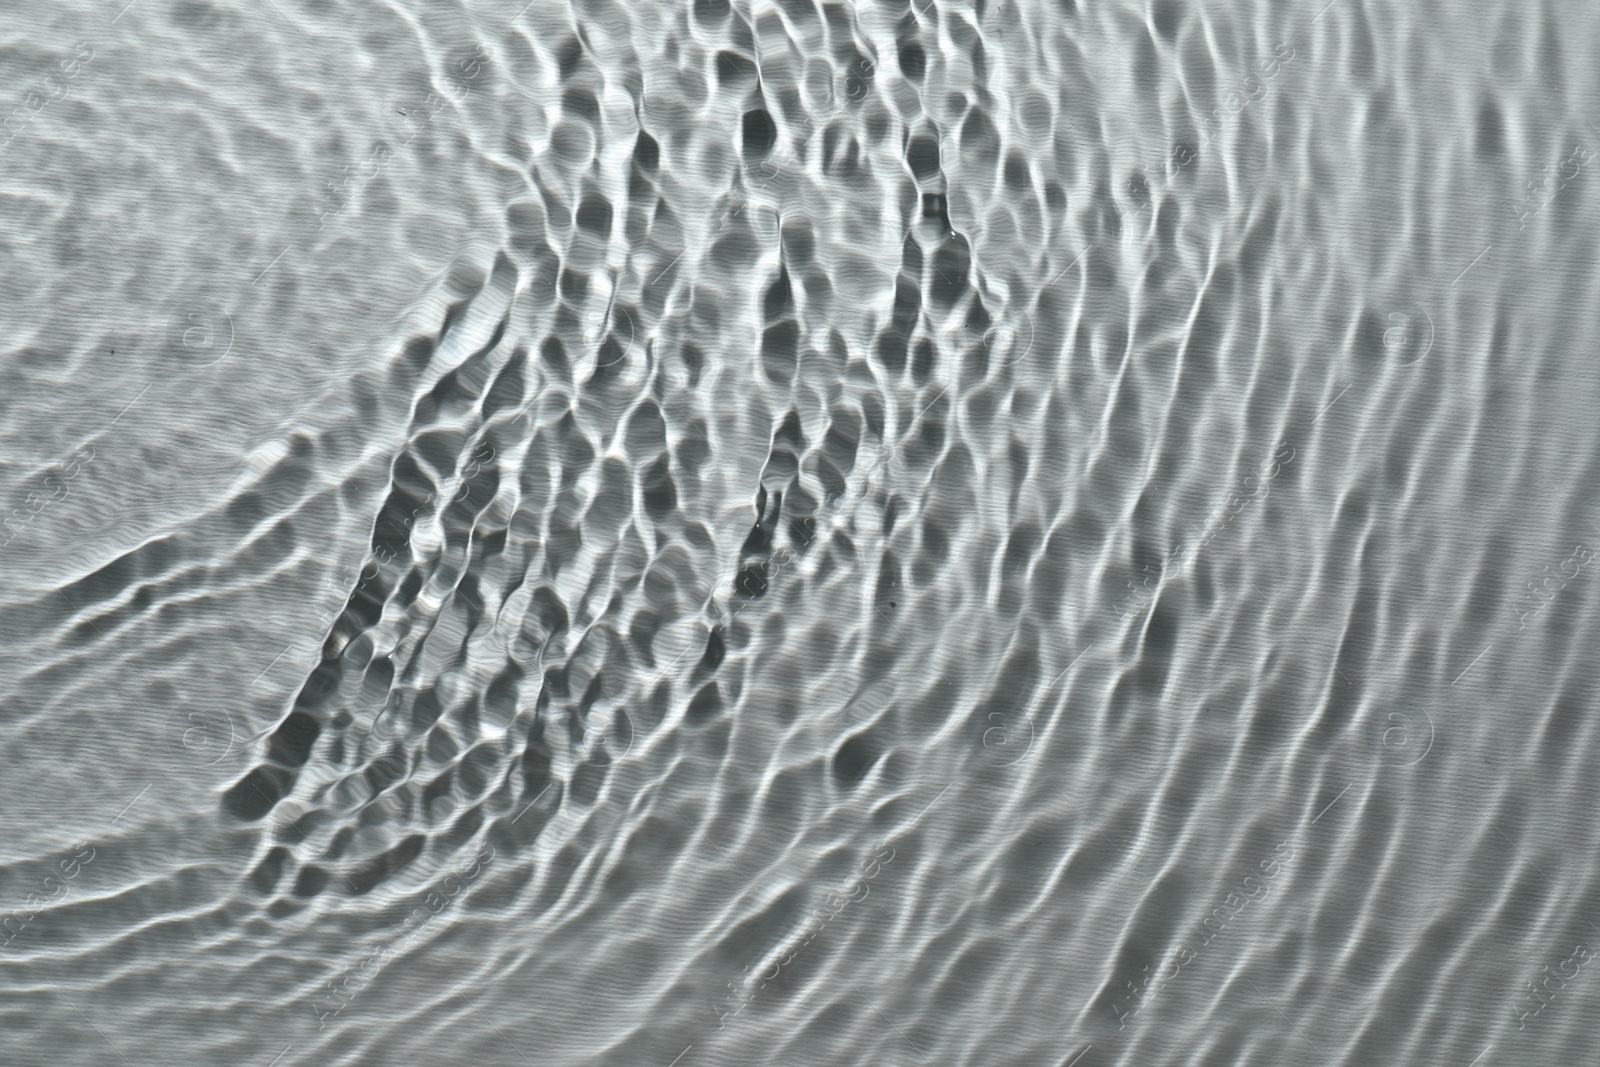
1040	533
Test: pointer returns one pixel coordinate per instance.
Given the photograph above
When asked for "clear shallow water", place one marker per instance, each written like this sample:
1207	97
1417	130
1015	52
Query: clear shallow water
648	535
